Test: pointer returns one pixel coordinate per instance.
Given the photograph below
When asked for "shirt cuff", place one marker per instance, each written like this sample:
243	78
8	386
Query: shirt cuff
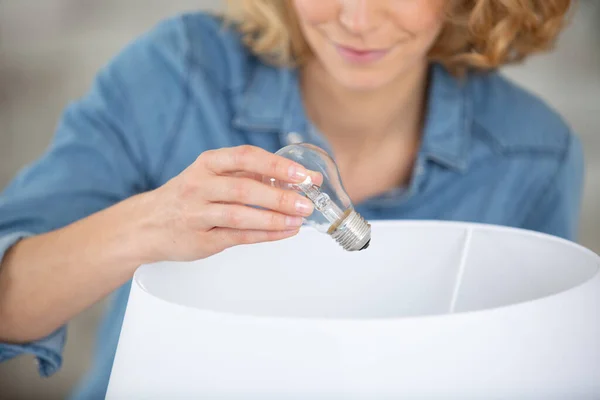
48	351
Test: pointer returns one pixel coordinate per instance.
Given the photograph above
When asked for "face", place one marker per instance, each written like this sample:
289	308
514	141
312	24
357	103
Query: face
366	44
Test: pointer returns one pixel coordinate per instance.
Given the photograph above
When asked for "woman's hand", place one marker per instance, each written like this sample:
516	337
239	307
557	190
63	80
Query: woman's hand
210	206
47	279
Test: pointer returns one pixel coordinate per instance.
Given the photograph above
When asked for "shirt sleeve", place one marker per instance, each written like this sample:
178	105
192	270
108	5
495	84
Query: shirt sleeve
48	351
558	209
98	156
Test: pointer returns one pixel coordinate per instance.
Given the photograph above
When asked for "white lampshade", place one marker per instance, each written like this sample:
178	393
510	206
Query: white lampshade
429	310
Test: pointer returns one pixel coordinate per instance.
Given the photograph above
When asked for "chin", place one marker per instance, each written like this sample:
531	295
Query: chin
362	81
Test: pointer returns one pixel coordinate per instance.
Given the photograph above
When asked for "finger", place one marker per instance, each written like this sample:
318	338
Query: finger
256	160
249	192
250	175
316	177
247	218
227	237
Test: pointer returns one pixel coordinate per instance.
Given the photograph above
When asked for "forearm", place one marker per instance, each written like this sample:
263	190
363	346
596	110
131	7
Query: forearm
46	280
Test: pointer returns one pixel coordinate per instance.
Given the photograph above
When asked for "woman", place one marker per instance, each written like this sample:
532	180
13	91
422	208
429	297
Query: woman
157	161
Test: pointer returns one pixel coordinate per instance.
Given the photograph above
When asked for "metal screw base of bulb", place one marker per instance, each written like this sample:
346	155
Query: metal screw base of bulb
353	233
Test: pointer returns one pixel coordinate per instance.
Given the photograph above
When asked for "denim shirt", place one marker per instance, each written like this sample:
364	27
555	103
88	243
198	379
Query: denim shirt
491	152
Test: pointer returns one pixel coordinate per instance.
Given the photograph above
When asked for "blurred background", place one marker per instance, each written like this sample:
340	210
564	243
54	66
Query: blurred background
50	51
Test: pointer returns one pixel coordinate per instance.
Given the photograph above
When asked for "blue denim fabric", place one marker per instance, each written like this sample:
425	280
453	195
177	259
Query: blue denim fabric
491	151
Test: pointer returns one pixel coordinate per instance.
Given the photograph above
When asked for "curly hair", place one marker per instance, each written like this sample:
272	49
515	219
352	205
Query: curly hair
477	34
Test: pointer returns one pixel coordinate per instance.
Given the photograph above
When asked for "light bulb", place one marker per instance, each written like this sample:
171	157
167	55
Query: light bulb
334	213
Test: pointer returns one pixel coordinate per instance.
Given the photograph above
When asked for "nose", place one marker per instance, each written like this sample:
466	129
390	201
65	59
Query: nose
358	16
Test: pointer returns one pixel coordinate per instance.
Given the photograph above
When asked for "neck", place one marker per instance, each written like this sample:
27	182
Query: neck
353	116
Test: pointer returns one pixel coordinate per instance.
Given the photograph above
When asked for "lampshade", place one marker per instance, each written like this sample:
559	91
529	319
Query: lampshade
430	310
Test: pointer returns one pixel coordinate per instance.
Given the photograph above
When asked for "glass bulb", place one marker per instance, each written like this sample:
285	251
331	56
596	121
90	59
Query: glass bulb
334	213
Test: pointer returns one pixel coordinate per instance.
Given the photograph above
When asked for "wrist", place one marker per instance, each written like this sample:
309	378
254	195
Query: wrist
136	233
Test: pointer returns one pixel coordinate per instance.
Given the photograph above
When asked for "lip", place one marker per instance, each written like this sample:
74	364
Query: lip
357	56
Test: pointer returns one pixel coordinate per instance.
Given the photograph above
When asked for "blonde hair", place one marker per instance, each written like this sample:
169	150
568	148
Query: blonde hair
477	34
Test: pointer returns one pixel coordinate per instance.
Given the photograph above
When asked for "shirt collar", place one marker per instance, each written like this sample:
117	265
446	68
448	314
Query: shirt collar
272	103
447	129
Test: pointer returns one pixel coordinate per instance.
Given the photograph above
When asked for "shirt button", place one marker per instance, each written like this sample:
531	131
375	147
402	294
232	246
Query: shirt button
294	138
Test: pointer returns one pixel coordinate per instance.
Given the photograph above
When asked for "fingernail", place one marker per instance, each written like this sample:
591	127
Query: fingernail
293	221
304	207
297	172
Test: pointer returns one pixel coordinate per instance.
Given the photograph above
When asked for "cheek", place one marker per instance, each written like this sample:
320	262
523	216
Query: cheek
418	16
314	12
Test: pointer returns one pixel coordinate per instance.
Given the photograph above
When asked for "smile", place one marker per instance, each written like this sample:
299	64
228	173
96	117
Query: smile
357	56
